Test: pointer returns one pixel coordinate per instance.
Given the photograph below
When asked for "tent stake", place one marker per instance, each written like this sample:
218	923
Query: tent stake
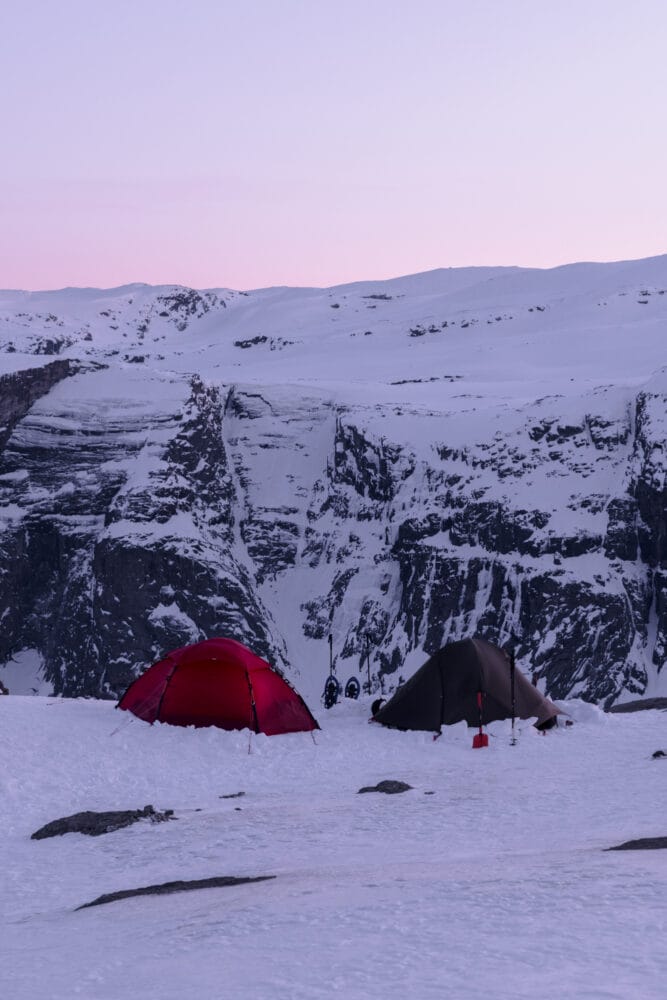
126	722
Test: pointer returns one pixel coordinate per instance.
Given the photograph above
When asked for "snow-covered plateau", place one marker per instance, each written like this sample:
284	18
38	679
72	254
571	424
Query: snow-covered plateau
489	878
392	463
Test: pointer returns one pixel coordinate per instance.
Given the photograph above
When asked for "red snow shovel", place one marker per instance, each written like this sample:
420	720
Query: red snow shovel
480	739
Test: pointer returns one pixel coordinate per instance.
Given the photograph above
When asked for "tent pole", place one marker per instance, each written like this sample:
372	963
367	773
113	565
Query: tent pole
480	739
512	685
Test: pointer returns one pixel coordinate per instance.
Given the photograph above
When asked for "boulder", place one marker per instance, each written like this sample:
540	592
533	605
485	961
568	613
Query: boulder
389	787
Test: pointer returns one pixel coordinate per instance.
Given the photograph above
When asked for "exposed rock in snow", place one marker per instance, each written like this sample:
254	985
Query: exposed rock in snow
94	824
20	388
643	844
641	705
216	882
389	787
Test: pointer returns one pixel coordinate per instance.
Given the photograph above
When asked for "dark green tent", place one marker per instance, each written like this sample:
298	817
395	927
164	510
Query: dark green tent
444	691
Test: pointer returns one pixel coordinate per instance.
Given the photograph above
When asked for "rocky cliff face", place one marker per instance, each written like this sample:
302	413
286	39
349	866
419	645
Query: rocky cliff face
580	597
120	540
146	506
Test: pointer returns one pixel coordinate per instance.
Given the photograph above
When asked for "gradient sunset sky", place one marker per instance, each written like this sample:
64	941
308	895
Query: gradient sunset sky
270	142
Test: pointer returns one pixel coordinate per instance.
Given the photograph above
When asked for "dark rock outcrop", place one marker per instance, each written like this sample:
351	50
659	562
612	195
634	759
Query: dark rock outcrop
94	824
389	787
216	882
643	844
19	390
640	705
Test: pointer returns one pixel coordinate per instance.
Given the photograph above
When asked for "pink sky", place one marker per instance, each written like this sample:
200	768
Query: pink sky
309	142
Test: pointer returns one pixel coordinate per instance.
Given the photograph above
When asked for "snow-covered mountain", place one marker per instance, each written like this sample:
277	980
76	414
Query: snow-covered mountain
394	463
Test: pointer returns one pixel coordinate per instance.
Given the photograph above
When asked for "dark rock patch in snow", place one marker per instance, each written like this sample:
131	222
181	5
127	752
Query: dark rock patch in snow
643	844
166	887
388	787
94	824
640	705
658	754
251	341
232	795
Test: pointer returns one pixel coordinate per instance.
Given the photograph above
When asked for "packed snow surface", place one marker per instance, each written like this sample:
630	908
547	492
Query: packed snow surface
489	878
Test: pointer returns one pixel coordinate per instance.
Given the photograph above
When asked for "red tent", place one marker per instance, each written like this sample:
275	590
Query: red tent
218	682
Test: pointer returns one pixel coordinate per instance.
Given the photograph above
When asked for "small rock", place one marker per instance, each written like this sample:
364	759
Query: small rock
233	795
659	753
388	787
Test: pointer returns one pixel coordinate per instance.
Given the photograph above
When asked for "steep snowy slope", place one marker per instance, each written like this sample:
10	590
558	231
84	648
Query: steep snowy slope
394	463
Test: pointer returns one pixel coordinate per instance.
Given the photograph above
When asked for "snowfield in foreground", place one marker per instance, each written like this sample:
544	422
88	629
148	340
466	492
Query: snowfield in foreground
489	878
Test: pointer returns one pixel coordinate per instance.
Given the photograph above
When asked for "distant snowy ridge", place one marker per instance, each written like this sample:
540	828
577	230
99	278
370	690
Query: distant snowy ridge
394	463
